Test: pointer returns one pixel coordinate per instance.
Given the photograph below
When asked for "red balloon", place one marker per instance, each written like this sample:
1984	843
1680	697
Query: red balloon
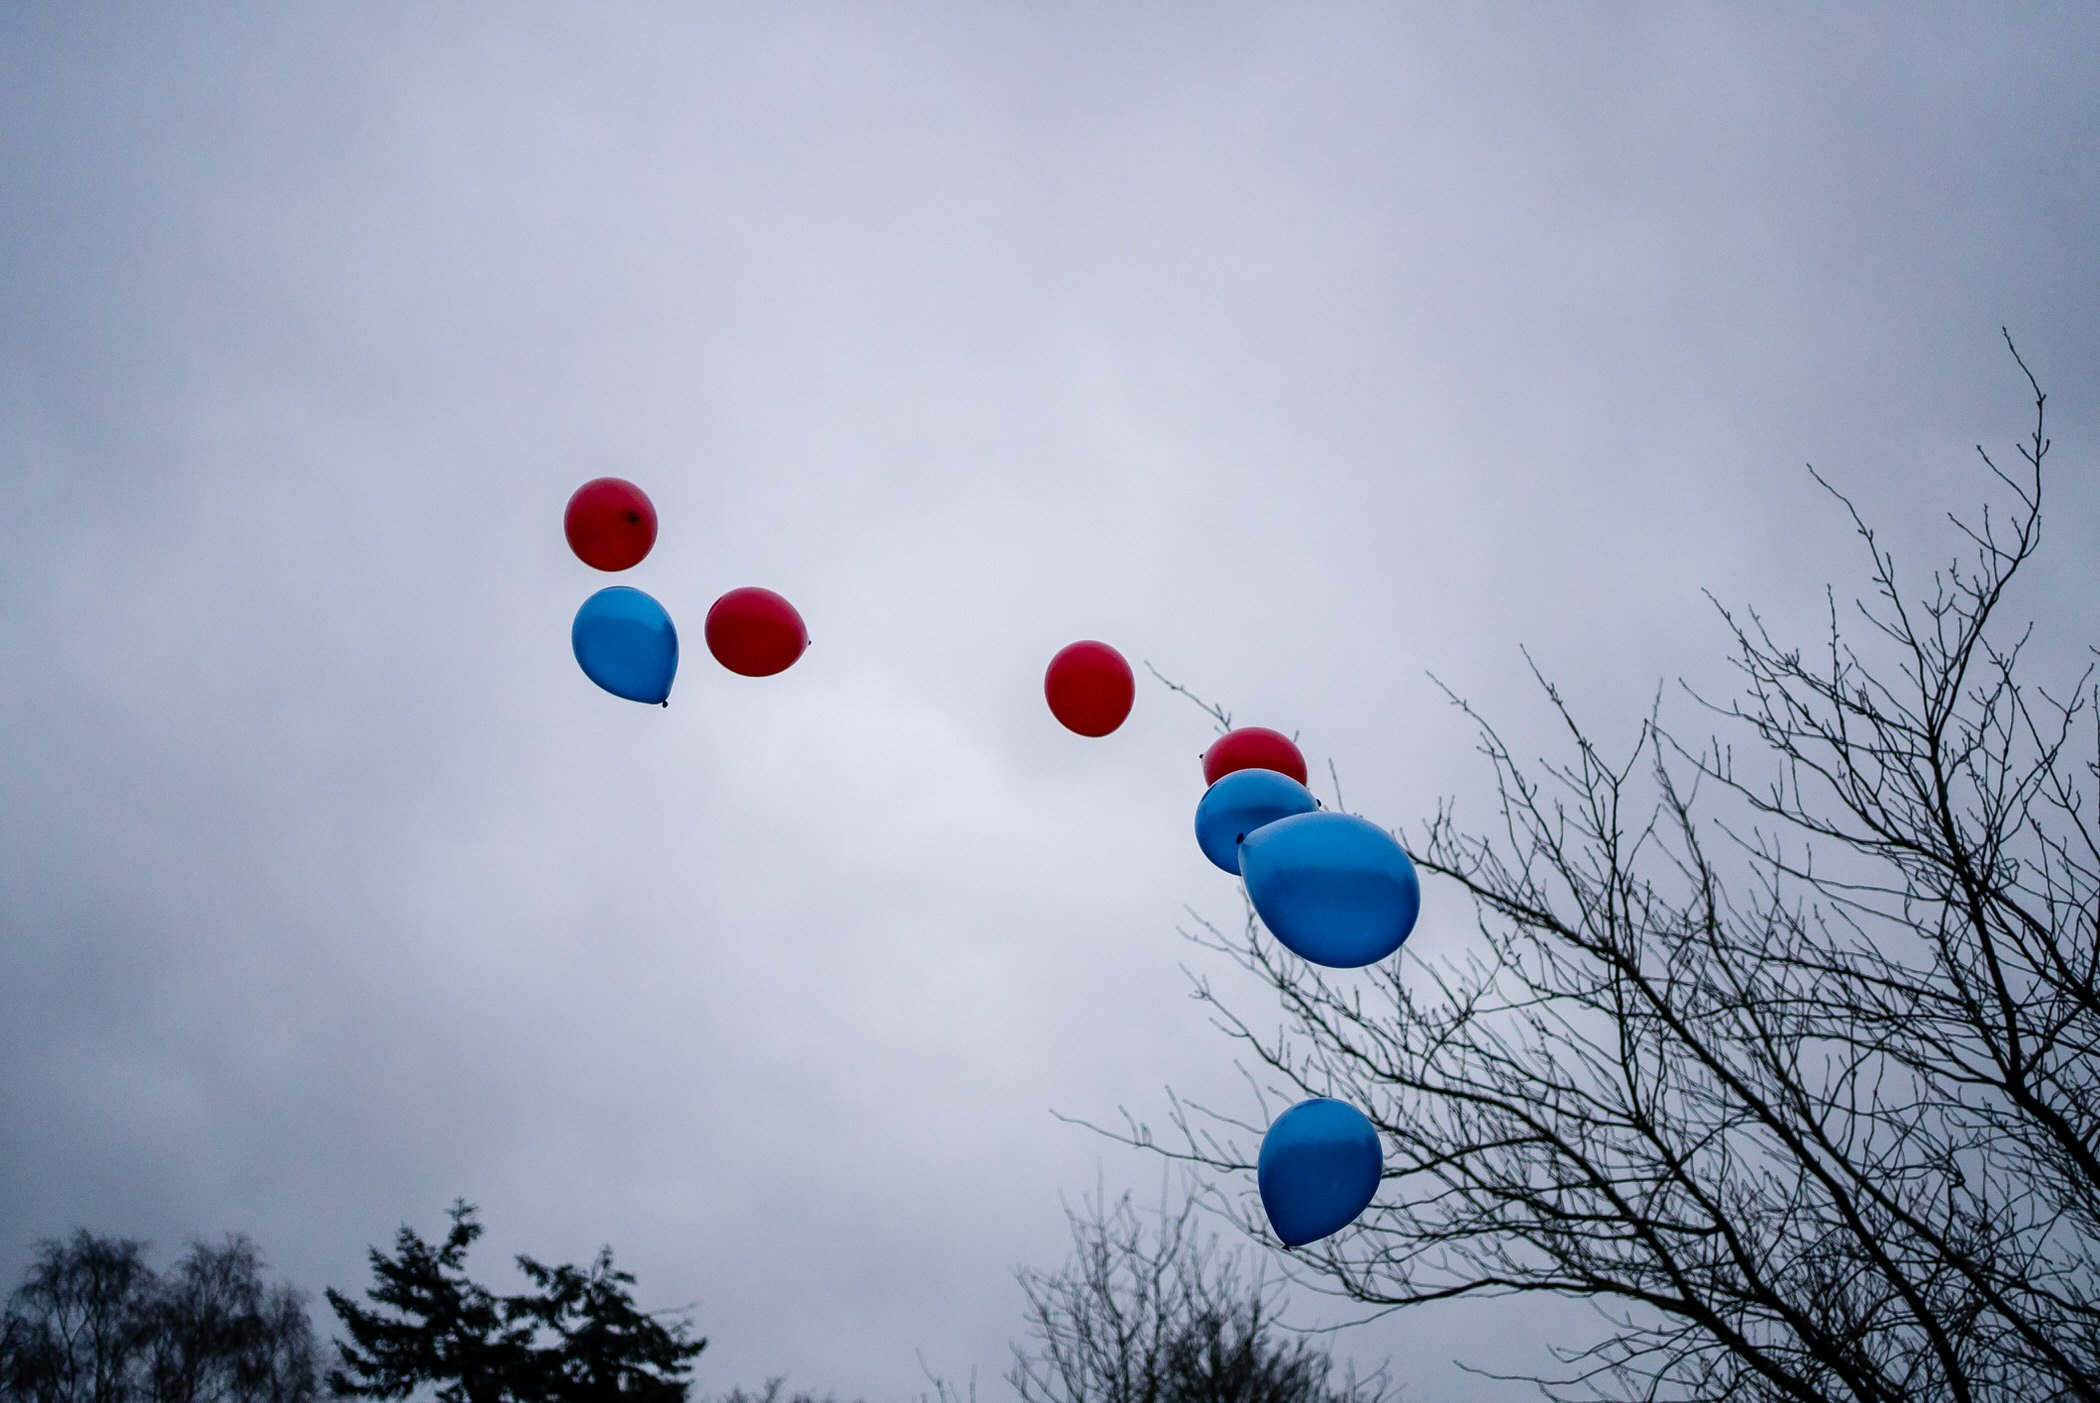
610	523
1253	748
1090	688
755	632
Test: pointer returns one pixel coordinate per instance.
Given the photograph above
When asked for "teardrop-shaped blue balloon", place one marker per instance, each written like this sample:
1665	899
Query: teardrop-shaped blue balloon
626	643
1318	1169
1333	888
1241	802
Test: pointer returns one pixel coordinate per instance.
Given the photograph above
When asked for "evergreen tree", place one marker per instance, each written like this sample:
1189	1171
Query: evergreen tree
603	1347
575	1338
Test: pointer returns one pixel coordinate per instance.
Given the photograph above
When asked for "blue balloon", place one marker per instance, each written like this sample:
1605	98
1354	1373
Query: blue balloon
627	644
1241	802
1333	888
1318	1169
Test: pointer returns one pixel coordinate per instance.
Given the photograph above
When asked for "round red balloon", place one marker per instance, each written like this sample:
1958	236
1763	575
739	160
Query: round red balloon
1253	748
755	632
611	523
1090	688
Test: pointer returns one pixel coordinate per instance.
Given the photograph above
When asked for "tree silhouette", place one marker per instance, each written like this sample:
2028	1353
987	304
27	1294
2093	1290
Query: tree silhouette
92	1322
1152	1312
603	1347
1779	1045
577	1339
216	1334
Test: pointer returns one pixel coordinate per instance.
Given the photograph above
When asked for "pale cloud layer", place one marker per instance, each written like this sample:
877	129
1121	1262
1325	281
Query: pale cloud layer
1299	350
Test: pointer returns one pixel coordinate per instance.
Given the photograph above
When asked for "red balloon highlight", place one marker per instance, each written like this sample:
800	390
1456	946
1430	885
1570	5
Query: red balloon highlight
610	523
1253	748
755	633
1089	688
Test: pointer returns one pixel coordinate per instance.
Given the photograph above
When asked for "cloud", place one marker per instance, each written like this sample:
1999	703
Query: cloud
1298	353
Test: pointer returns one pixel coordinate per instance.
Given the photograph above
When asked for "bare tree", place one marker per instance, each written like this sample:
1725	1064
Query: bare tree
775	1390
1148	1310
92	1322
1778	1045
216	1333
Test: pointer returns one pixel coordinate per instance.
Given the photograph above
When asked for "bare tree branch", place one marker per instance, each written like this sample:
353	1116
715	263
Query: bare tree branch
1786	1058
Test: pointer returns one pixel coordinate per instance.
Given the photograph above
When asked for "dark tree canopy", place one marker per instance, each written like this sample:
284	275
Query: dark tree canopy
1147	1310
92	1322
575	1338
1778	1044
601	1346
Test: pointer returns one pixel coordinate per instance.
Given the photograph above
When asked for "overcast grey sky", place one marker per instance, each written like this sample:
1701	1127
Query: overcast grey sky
1299	349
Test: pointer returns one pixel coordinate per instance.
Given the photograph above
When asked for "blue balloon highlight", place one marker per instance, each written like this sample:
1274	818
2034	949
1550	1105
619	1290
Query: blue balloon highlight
1241	802
1319	1169
1334	888
626	643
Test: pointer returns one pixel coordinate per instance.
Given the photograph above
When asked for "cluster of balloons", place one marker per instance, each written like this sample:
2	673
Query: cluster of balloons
624	639
1332	888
